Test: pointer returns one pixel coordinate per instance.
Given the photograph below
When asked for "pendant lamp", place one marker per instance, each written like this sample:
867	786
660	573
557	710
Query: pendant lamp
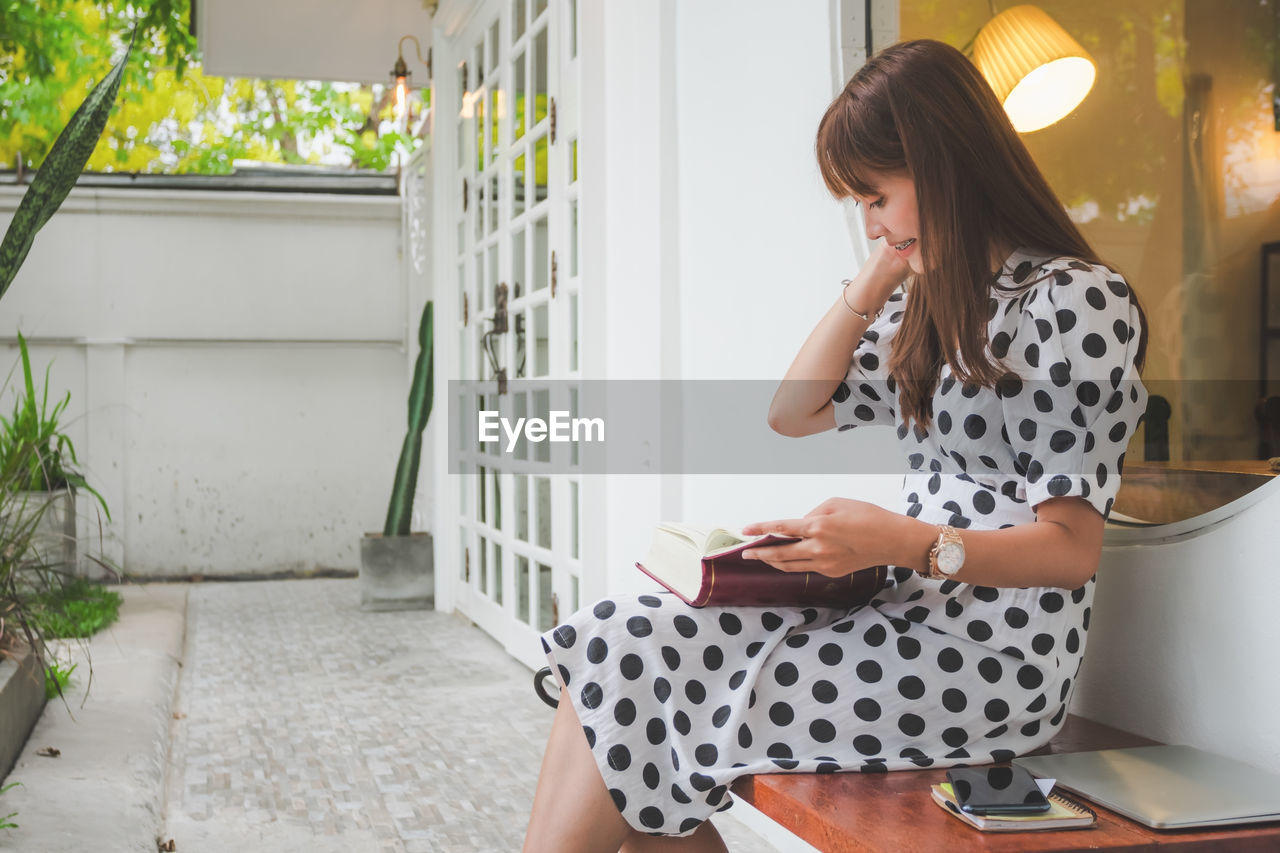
1039	73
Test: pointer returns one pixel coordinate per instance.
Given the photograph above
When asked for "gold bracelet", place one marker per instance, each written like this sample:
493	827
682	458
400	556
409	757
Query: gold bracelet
870	318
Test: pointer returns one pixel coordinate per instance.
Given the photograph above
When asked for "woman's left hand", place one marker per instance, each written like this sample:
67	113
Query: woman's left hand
838	537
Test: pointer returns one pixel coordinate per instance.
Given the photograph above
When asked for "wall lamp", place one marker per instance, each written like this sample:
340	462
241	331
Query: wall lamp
400	74
1038	71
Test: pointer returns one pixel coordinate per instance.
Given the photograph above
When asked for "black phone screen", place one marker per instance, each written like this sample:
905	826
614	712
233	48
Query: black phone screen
996	790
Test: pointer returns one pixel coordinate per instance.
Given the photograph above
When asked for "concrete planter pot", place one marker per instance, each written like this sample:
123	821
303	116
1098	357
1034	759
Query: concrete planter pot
54	540
397	572
21	702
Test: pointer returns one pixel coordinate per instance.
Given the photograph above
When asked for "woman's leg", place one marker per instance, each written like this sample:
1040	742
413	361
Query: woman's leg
705	839
572	809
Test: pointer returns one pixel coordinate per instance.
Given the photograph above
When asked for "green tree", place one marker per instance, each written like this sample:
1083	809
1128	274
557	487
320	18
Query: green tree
173	118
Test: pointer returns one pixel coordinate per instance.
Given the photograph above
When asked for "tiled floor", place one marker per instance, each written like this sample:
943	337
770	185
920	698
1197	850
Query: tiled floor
306	724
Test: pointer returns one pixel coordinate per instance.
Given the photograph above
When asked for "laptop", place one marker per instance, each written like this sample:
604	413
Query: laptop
1165	787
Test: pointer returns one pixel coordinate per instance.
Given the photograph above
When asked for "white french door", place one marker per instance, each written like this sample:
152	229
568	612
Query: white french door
513	230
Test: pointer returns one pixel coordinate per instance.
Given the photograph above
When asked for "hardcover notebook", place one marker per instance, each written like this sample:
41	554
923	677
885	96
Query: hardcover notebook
706	566
1064	813
1166	787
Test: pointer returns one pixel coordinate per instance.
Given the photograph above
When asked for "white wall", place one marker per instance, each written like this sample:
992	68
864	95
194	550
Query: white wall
237	369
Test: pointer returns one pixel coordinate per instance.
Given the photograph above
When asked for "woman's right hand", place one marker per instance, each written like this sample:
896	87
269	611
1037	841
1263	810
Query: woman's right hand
879	277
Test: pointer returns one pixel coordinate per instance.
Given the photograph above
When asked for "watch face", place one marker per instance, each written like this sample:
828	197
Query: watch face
950	557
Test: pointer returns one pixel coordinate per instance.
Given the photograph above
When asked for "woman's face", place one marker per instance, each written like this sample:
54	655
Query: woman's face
891	213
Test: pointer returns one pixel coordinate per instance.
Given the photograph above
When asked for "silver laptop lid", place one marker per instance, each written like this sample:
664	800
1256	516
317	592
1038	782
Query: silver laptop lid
1166	787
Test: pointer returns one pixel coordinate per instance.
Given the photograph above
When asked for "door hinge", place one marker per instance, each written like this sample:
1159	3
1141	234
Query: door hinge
466	195
554	274
466	310
553	121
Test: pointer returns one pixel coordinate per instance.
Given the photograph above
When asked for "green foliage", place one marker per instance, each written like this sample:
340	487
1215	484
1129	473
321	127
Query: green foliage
74	608
57	678
400	510
42	457
5	821
173	118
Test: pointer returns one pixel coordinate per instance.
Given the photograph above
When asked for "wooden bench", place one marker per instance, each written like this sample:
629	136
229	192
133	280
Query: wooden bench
845	812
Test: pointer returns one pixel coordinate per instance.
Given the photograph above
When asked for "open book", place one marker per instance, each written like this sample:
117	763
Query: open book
705	566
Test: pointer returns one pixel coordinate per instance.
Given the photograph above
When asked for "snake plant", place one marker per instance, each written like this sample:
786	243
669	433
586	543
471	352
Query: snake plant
400	510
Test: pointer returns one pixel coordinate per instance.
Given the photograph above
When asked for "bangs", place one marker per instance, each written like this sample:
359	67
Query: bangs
856	144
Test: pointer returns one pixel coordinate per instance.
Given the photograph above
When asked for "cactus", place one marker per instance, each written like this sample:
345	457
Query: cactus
400	510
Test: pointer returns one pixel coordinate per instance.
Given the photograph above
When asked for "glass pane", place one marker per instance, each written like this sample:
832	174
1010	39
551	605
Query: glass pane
492	281
482	293
517	186
480	134
573	413
541	342
463	130
573	593
477	60
547	607
541	255
522	348
573	522
540	76
477	209
495	131
542	489
462	86
573	45
573	238
573	161
493	203
520	403
493	45
497	573
517	263
482	570
495	490
482	501
540	169
542	409
573	331
522	506
519	93
539	6
522	590
464	563
520	18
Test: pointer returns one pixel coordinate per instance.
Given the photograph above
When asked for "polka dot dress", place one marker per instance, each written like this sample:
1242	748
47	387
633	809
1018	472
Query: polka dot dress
678	702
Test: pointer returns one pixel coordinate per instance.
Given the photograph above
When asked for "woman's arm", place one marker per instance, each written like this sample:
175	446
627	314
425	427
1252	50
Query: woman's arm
802	403
1061	548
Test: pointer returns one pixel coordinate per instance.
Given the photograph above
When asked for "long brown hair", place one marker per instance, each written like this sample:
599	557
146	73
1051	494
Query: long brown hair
921	108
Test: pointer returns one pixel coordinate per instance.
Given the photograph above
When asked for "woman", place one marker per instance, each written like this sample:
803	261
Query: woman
1009	366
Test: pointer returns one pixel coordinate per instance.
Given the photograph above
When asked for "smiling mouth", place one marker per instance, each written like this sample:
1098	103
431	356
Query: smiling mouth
904	244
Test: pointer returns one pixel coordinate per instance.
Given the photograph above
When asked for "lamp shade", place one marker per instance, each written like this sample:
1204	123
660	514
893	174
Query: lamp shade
1039	73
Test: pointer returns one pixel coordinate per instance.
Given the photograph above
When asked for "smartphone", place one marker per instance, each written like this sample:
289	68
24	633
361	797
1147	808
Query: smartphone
996	790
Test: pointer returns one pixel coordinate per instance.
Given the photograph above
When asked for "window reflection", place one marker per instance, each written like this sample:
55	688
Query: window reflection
1171	166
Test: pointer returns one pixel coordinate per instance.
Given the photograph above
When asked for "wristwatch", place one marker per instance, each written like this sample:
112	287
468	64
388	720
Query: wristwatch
947	554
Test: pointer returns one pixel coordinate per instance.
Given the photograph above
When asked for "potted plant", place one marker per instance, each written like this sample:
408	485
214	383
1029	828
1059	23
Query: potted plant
396	566
22	695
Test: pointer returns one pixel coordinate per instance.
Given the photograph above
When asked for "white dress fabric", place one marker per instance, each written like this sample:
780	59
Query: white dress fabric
678	702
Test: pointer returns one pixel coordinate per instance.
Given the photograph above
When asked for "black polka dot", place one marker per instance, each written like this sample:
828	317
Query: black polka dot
825	692
685	626
953	608
695	691
770	621
744	736
680	721
730	624
604	609
841	394
996	710
706	754
592	695
874	636
1030	677
597	650
822	731
950	660
639	626
1066	319
671	657
983	502
1051	602
565	636
712	658
954	700
735	680
978	630
786	674
1038	704
908	648
619	757
619	798
867	709
1094	345
651	817
867	744
590	735
911	687
955	736
1042	644
650	601
721	716
661	689
631	667
753	649
944	422
869	671
650	776
911	725
781	714
625	712
656	731
1031	729
1016	617
797	641
678	794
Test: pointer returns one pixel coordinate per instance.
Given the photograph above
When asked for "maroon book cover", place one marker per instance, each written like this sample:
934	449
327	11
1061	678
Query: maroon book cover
730	579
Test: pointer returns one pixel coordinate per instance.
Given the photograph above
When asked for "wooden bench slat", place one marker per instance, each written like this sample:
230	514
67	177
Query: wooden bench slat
848	812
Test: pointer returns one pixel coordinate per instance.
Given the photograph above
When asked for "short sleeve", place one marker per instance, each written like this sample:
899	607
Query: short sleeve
1077	398
867	394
